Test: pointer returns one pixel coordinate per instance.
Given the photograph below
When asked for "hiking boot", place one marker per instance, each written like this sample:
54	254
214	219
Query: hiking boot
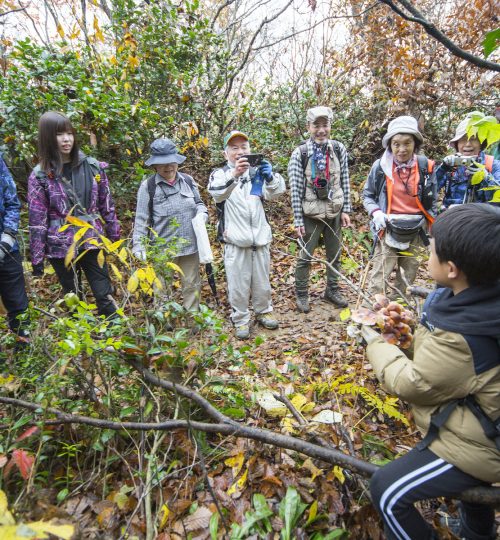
242	332
268	321
302	300
335	297
459	528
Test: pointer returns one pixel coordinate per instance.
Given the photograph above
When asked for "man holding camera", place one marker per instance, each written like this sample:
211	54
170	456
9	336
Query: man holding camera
238	188
455	174
321	201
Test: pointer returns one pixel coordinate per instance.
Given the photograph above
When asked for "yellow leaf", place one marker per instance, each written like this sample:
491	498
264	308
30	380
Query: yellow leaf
38	530
116	272
175	267
239	484
141	274
309	465
78	222
150	274
313	512
98	35
345	314
63	227
133	283
115	245
5	516
106	241
165	512
236	463
127	87
298	401
339	475
133	61
123	255
100	258
113	61
496	196
477	177
69	255
60	30
157	284
79	234
4	380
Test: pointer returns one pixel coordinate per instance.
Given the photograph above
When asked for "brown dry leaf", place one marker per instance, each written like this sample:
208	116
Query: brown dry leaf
198	520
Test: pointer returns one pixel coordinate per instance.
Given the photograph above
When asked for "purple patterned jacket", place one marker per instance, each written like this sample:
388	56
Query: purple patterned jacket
49	205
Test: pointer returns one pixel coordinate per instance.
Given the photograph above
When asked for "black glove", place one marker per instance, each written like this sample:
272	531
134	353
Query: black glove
4	251
38	269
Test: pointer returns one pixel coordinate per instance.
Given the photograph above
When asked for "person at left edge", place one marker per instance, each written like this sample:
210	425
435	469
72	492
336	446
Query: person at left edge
12	285
244	229
67	179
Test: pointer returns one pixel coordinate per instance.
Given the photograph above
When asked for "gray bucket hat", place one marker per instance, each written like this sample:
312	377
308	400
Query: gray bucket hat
164	151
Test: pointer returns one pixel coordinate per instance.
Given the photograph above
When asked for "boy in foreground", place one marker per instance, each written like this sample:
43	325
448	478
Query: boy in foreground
452	383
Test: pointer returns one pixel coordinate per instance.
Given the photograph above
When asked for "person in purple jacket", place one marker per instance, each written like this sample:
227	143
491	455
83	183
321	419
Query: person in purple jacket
65	182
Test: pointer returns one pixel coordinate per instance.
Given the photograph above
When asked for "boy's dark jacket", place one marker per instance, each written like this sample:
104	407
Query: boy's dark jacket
456	353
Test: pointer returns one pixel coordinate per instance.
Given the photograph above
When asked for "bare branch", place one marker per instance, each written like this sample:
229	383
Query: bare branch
249	49
5	13
418	18
284	38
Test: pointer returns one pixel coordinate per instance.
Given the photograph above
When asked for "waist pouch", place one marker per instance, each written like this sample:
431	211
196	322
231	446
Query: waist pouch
405	229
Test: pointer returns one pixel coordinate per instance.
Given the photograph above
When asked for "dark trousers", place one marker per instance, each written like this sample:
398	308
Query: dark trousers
98	278
417	476
13	290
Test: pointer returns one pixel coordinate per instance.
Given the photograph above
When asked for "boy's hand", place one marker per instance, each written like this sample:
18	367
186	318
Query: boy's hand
369	334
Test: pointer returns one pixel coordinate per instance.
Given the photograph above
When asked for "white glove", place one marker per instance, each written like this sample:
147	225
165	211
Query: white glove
379	219
140	255
449	161
205	217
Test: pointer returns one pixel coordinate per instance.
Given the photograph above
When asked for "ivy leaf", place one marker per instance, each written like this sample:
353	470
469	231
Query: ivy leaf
491	42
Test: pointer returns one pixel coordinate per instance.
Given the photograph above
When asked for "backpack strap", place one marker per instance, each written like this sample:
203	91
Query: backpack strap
151	191
488	162
490	427
220	213
304	158
425	168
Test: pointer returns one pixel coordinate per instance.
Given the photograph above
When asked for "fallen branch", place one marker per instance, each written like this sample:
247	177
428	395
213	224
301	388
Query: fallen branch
231	428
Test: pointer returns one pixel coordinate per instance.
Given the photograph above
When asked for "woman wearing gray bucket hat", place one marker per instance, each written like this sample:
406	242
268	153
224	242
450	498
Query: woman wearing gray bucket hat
455	173
400	197
167	201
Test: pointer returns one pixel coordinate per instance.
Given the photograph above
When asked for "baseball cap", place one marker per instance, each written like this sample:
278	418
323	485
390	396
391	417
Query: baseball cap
319	112
232	135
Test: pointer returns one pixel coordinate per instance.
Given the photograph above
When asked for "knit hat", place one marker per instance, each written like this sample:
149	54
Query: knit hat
164	151
402	124
232	135
319	112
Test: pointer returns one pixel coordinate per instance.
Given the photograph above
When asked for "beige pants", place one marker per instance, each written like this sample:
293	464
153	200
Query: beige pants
386	258
191	280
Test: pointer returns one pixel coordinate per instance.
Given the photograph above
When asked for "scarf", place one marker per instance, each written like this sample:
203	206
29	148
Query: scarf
319	155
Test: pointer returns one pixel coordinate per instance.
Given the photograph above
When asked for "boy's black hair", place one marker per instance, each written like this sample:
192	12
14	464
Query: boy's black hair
469	236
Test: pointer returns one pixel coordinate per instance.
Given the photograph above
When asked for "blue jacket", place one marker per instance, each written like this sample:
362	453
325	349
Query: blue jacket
10	205
457	187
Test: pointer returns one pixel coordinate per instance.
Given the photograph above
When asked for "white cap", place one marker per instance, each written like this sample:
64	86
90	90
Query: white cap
402	124
319	112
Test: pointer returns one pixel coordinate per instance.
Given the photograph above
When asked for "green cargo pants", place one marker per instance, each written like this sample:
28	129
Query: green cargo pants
332	236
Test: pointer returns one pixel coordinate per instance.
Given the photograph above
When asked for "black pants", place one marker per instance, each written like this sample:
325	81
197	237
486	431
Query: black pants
98	278
13	290
417	476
